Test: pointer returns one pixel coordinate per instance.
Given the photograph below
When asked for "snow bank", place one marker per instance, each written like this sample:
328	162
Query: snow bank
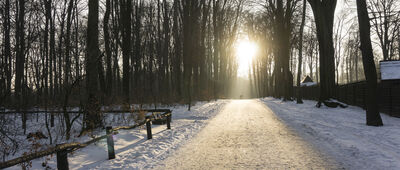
342	133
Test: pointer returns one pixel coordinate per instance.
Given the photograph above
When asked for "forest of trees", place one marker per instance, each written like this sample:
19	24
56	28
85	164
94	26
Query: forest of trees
346	62
61	53
143	52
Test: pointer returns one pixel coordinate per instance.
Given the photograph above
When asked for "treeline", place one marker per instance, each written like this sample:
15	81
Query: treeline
148	51
346	60
60	53
280	28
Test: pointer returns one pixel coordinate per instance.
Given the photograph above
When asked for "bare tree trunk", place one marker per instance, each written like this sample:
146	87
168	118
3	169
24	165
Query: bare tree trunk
324	15
107	47
190	43
7	47
165	70
177	49
126	9
52	67
67	66
77	50
373	117
20	58
52	52
93	117
282	26
203	70
46	53
303	18
216	54
58	74
116	41
67	44
138	51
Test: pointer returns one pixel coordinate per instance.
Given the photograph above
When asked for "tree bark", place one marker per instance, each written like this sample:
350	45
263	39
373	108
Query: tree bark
324	16
126	9
282	32
93	118
165	54
7	47
303	18
190	44
107	47
137	47
20	58
67	43
20	46
52	63
372	116
177	51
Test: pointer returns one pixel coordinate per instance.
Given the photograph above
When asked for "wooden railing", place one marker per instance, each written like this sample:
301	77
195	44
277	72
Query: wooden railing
60	111
62	150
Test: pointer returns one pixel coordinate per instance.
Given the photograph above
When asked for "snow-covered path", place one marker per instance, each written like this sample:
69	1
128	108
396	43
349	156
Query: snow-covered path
342	134
246	134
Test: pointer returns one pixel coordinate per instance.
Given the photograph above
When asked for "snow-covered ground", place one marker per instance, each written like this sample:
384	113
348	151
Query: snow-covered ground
342	133
247	135
133	150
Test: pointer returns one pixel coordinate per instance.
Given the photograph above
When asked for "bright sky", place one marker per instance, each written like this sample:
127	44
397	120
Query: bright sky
245	52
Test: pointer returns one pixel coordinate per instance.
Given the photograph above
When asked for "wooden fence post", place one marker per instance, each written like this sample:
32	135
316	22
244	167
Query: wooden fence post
110	143
148	126
62	160
169	121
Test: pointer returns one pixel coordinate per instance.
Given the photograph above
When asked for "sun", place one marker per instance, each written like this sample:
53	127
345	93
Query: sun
245	52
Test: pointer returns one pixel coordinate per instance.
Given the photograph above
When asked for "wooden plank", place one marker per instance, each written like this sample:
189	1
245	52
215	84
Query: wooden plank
76	112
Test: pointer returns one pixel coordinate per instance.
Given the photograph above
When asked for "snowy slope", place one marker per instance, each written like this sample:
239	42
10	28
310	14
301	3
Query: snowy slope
342	133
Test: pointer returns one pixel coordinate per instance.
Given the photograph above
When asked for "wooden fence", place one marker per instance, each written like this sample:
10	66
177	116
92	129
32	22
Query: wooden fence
62	150
355	94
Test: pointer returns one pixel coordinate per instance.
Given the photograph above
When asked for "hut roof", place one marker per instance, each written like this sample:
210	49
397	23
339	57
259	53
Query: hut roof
307	79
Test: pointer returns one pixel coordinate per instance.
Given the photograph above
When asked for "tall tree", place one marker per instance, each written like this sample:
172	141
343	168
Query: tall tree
52	52
93	118
20	46
324	11
137	43
20	57
216	43
303	18
165	84
7	47
385	20
281	14
107	46
177	58
373	116
68	45
126	21
191	11
202	81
